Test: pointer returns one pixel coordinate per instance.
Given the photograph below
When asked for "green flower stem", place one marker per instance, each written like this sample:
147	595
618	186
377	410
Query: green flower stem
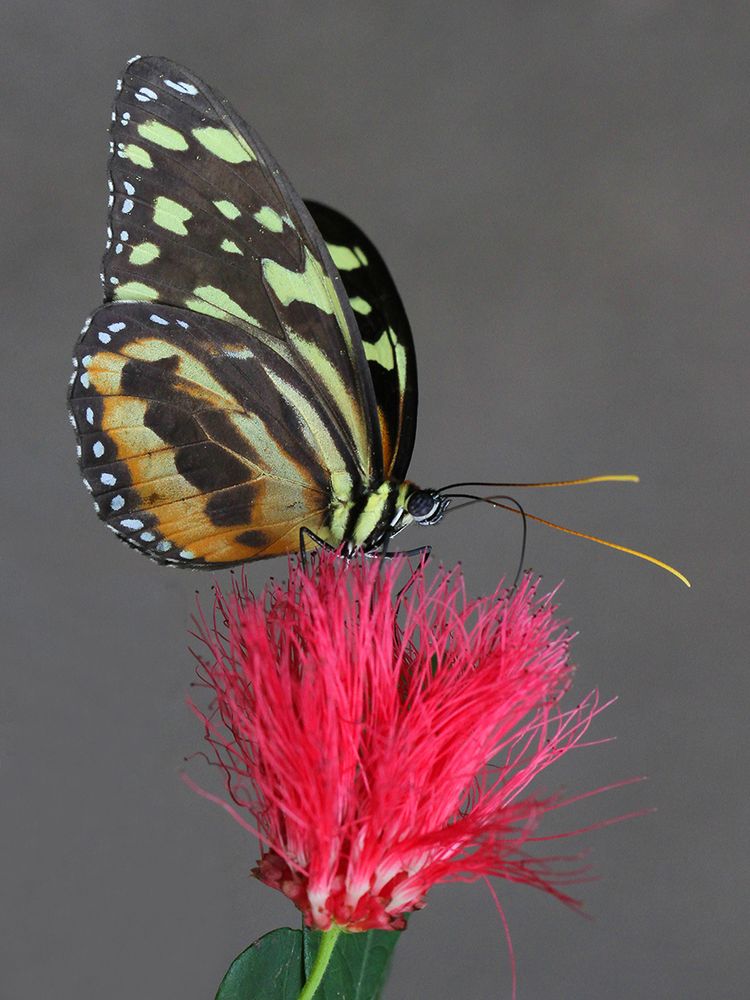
327	944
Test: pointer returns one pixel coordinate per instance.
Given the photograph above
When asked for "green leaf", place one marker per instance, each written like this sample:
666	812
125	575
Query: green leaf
270	969
358	966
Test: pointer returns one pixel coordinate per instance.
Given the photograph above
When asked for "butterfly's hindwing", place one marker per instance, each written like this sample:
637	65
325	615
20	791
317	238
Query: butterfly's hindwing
202	217
197	442
385	331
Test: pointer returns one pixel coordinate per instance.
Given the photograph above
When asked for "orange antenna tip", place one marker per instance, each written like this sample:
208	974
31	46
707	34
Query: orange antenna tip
600	541
614	477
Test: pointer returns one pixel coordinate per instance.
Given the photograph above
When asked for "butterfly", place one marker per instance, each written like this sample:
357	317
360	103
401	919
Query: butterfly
250	379
251	375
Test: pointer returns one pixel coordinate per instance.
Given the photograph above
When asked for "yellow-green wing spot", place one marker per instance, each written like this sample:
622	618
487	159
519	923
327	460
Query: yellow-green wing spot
228	209
359	305
136	290
316	434
204	385
171	215
265	445
347	258
329	375
214	302
137	155
162	135
386	351
315	287
224	144
230	246
311	285
269	219
144	253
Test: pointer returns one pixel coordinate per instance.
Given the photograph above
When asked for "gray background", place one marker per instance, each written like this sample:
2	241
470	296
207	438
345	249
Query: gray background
561	193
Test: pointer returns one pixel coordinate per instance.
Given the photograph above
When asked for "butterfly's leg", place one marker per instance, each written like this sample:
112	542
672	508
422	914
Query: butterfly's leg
303	531
423	551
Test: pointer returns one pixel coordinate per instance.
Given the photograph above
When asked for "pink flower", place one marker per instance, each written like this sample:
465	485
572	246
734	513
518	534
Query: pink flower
383	741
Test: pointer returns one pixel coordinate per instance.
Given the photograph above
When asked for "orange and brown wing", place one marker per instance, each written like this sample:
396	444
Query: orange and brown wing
199	444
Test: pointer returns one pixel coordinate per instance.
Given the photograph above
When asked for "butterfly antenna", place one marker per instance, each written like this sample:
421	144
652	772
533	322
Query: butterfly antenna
626	477
492	501
495	501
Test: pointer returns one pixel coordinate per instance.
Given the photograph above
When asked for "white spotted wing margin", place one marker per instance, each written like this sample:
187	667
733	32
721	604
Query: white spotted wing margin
202	218
199	444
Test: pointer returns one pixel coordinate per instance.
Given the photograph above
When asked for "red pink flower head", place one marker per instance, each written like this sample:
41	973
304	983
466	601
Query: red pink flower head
383	739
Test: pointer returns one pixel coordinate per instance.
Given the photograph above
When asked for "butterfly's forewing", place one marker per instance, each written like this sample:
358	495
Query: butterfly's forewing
197	442
202	217
385	331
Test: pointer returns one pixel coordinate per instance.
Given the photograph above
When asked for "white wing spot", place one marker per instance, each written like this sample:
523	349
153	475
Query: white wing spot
110	187
118	248
86	361
182	88
104	337
108	479
133	523
117	503
114	281
146	94
183	324
85	380
98	449
127	206
78	450
128	187
124	236
111	201
163	546
158	319
132	60
89	415
147	536
187	554
188	88
116	327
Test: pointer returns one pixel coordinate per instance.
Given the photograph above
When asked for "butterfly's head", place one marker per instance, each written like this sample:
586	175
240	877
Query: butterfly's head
426	506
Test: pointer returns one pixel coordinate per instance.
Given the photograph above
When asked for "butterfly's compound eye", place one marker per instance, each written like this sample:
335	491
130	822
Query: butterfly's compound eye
426	506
